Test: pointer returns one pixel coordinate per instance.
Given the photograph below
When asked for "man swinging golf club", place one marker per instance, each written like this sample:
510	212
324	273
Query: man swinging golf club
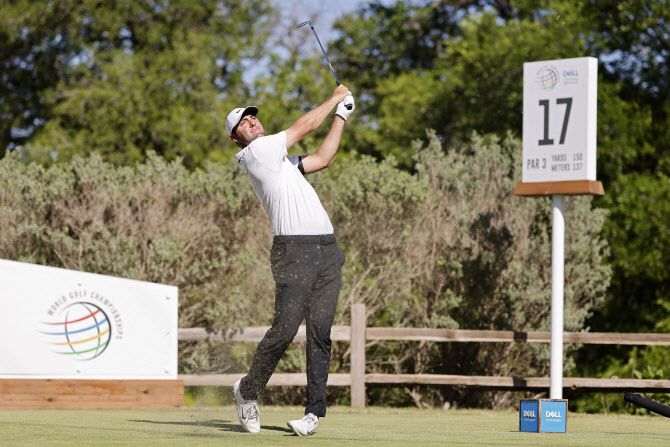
305	259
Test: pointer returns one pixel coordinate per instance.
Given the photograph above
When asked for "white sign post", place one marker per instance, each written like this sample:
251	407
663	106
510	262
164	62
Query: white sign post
559	158
557	296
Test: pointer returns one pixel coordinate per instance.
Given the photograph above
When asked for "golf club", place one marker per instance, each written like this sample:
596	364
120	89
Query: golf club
308	22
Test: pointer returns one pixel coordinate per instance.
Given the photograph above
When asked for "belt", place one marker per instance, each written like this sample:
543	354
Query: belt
323	239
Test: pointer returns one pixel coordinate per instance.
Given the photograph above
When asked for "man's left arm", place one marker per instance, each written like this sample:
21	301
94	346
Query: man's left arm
311	120
324	155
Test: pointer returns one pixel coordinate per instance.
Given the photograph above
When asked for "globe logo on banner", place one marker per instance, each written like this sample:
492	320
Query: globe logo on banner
547	78
81	330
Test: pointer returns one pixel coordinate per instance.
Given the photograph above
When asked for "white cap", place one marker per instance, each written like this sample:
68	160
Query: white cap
236	115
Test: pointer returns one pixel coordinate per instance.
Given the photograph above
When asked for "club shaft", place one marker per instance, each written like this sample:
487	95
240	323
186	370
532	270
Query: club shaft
337	81
324	55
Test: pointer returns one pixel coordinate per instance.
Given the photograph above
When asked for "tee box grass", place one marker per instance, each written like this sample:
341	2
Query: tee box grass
342	426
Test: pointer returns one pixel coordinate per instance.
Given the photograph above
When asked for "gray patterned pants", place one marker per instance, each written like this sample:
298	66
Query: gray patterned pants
307	273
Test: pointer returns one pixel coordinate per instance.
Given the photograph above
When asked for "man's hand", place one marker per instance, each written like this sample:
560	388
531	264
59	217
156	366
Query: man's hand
340	93
346	107
311	120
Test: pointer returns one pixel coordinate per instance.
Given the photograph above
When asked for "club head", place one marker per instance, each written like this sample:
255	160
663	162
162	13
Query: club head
305	23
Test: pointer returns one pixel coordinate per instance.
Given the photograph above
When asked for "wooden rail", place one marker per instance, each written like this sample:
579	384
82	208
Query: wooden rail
343	333
253	334
358	333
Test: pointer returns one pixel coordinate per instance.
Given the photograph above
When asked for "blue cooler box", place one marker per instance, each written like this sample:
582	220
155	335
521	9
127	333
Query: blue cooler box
543	415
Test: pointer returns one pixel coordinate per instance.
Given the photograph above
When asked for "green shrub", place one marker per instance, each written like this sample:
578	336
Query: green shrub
446	246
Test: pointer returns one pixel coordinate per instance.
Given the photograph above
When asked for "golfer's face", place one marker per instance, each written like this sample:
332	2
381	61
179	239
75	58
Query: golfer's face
249	129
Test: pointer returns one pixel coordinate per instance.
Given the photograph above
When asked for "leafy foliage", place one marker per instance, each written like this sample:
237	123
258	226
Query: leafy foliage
125	78
472	81
451	254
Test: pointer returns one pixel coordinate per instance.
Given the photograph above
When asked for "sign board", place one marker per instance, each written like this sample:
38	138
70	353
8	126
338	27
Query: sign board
543	415
529	412
65	324
559	120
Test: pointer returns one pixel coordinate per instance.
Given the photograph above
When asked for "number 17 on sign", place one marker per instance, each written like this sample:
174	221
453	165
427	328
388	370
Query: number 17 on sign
559	123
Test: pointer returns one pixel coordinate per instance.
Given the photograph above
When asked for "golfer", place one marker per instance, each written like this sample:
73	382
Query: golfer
305	259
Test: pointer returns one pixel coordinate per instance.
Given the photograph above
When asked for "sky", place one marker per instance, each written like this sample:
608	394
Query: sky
323	13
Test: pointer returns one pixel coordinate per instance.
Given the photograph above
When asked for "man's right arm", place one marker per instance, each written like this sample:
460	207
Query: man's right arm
311	120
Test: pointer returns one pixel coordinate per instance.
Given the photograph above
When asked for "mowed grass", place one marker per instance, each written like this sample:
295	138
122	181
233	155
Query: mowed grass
384	427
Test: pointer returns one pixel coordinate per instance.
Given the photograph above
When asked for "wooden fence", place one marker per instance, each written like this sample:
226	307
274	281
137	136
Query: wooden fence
358	333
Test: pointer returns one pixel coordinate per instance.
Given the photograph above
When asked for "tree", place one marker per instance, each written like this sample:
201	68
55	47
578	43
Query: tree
125	78
471	80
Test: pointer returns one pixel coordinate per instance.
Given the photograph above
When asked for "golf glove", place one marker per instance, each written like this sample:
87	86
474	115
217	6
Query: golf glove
346	107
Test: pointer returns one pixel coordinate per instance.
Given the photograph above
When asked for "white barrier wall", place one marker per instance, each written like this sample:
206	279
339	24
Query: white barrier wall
64	324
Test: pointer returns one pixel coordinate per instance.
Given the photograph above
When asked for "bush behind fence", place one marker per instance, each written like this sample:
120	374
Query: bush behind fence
445	246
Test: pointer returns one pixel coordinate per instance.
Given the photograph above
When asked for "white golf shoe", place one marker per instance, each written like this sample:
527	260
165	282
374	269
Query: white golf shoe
247	411
304	426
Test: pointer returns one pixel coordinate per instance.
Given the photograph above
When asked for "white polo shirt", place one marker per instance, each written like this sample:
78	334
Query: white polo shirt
288	198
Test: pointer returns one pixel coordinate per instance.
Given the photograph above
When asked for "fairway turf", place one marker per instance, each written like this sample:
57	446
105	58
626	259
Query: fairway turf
384	427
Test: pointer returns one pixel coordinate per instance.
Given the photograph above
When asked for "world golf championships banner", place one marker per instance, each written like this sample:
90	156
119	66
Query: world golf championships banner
64	324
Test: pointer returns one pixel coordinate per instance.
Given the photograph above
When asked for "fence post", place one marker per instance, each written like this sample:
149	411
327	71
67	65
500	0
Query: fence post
357	347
